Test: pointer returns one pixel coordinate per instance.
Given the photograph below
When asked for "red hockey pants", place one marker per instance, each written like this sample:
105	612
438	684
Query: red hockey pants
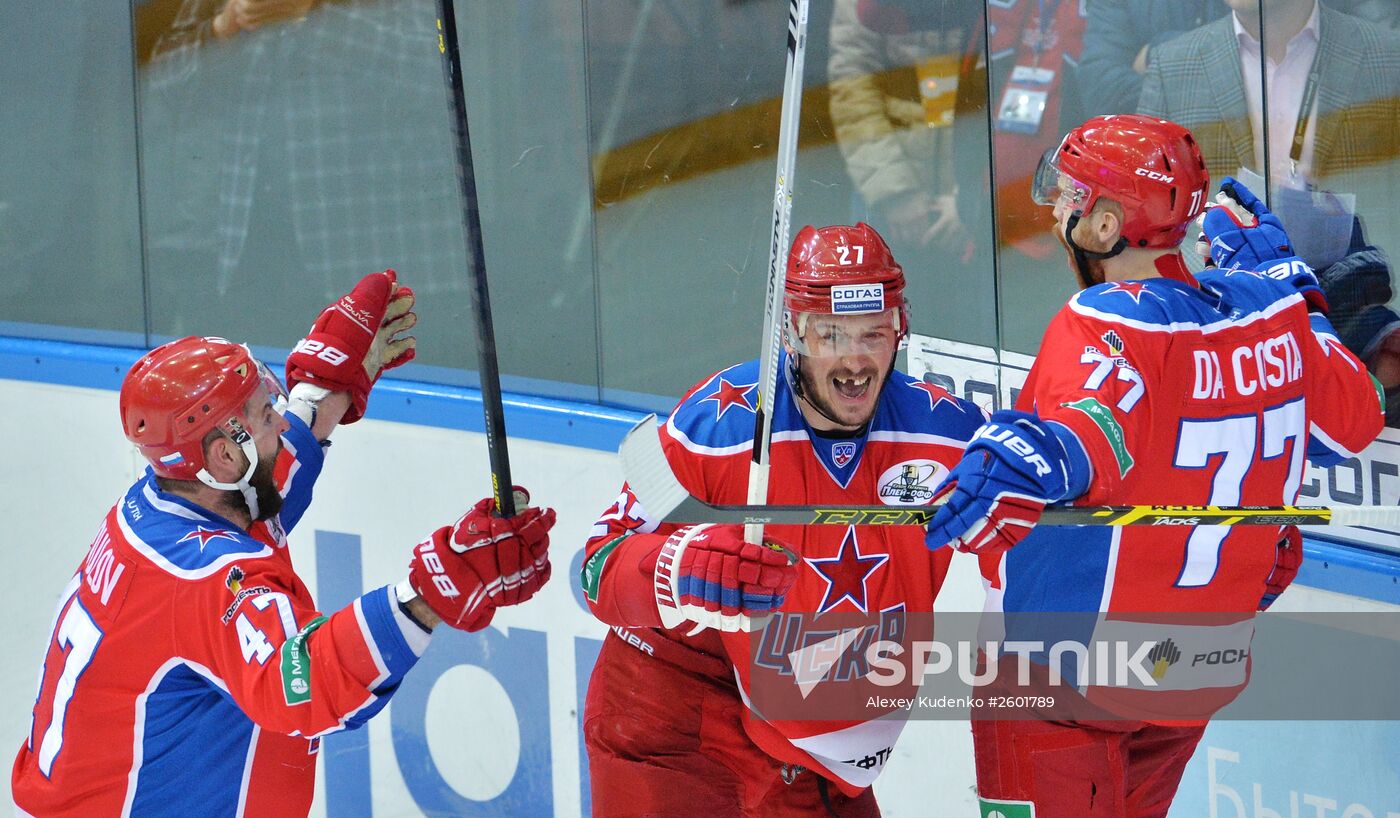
665	742
1127	769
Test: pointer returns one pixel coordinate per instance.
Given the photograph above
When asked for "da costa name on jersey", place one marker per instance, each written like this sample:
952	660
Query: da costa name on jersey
1259	367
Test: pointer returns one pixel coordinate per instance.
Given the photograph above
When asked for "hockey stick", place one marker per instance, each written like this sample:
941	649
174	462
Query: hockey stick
789	124
481	299
664	499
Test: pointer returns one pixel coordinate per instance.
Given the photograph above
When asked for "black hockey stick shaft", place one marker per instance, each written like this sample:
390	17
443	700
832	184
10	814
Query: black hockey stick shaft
491	406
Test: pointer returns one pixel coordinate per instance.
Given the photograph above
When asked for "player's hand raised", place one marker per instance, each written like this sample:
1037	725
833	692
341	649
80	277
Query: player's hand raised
1013	467
709	576
466	570
1239	231
356	339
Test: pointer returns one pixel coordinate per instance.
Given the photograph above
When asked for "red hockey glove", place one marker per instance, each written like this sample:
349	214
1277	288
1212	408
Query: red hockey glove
466	570
355	339
1286	564
708	575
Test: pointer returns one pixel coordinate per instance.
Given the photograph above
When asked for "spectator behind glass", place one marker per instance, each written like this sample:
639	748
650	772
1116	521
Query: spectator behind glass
1032	88
296	135
894	73
910	89
1119	37
1350	143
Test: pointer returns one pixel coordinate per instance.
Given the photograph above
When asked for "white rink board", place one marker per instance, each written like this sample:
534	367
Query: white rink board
502	713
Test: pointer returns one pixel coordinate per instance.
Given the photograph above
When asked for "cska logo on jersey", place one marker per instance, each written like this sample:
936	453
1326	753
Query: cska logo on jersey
841	453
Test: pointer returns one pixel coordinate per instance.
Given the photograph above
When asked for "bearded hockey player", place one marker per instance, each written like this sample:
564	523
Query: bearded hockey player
1151	387
189	672
666	724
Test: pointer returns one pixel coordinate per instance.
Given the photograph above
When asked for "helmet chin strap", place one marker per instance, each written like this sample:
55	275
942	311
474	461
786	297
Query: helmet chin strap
795	378
244	484
1082	257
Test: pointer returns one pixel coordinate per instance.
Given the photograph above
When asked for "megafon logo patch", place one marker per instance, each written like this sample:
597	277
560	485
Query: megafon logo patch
850	299
910	483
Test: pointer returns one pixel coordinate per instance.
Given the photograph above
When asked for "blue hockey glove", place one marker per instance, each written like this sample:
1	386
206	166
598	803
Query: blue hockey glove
1240	233
1014	466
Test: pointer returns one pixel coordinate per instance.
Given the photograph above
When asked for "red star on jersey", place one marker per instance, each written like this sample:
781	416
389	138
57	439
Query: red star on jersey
727	394
936	395
846	573
204	535
1132	288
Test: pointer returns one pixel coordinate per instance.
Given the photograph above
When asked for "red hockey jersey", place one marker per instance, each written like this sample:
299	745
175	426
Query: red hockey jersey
190	672
1181	395
917	433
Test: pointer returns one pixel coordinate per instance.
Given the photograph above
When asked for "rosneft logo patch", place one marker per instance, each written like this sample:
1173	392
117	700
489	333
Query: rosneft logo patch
1163	655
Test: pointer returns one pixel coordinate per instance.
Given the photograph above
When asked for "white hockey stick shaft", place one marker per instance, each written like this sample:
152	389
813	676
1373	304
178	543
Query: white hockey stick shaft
789	125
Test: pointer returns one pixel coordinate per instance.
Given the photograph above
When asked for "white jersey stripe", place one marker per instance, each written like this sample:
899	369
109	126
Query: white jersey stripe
247	773
169	567
1181	326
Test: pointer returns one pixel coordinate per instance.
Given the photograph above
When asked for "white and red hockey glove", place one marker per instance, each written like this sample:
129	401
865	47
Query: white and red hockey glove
1013	467
709	576
1287	561
468	569
355	340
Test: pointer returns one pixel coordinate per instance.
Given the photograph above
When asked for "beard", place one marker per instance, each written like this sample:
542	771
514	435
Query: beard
812	395
265	487
1092	271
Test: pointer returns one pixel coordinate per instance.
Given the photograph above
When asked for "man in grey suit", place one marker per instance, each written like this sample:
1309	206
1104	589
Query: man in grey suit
1315	107
1349	140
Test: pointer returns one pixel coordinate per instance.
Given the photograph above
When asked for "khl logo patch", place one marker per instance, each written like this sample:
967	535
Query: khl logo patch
841	453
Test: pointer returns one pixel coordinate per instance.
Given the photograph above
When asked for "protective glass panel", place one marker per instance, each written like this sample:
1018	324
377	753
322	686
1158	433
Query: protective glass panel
70	239
289	152
685	101
1332	155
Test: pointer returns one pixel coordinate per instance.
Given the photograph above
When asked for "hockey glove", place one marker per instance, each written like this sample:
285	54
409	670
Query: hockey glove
355	339
1014	466
1286	564
1240	232
466	570
708	575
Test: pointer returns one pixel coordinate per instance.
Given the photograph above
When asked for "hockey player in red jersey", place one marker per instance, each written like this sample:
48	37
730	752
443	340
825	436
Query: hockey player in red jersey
190	672
1152	386
666	723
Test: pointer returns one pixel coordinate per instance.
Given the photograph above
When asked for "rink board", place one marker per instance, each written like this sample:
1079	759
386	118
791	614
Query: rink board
488	724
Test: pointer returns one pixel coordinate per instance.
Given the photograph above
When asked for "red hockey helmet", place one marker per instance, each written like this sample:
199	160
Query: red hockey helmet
842	270
1150	166
180	392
